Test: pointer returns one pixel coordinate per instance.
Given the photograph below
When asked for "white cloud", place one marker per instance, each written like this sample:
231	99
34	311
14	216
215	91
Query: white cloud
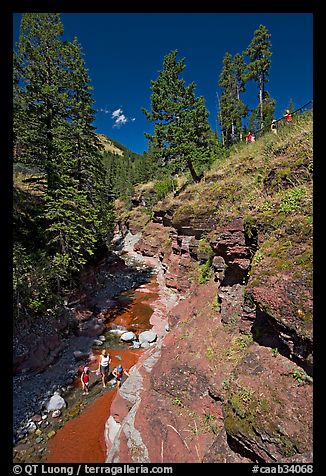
118	116
120	120
117	113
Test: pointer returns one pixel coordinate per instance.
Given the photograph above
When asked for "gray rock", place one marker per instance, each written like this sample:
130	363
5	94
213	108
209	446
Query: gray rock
145	345
97	342
147	336
79	355
56	402
31	427
128	336
36	418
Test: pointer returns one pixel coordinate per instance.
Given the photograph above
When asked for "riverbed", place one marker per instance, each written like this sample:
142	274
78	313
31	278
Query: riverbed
78	434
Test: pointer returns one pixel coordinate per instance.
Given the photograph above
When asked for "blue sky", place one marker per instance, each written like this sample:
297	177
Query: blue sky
125	51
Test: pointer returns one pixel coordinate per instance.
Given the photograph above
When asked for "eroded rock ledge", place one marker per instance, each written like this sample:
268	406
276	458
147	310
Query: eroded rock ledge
227	381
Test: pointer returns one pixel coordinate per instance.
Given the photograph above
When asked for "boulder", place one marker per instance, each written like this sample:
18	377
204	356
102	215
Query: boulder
31	427
128	336
97	342
147	336
79	355
56	402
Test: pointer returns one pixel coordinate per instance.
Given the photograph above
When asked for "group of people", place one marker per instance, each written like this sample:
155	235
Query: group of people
103	370
250	137
287	117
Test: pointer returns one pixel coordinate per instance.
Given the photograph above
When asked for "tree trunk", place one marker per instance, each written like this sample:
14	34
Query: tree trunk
194	175
261	97
232	132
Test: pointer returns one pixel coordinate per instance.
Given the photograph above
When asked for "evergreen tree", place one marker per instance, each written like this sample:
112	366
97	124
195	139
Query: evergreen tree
87	165
239	68
231	108
181	129
268	109
71	227
259	54
39	96
52	90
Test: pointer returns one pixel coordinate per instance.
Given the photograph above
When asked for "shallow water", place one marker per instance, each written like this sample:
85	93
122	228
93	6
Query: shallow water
81	439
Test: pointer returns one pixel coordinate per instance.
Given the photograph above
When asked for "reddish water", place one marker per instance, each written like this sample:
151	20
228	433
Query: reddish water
81	440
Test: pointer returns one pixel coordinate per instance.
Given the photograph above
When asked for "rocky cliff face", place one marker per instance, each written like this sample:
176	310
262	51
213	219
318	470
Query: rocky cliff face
231	380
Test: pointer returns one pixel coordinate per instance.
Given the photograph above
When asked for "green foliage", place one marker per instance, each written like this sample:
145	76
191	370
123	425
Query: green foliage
216	304
257	258
205	271
177	401
231	108
210	353
259	54
72	224
275	352
299	376
163	187
240	401
53	134
182	136
291	200
211	423
34	282
244	341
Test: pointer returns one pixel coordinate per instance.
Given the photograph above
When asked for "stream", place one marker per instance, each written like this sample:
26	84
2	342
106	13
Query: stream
77	434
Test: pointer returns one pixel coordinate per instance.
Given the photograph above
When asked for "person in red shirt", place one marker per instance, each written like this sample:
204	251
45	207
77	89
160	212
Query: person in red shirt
85	380
288	116
249	137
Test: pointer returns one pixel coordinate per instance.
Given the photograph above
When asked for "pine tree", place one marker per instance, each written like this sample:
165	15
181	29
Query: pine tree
87	165
181	130
239	68
39	98
231	108
259	54
52	90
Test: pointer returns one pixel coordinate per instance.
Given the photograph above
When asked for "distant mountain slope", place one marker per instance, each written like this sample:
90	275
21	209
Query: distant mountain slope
110	145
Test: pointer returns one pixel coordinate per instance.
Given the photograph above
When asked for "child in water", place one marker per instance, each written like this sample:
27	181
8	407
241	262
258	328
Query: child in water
118	373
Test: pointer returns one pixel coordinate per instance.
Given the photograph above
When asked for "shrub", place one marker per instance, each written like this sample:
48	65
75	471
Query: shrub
292	199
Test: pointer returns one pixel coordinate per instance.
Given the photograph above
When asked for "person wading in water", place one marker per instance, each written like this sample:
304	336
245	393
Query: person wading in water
103	367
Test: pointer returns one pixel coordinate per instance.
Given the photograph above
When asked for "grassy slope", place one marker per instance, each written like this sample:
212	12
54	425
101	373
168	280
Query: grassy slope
269	184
